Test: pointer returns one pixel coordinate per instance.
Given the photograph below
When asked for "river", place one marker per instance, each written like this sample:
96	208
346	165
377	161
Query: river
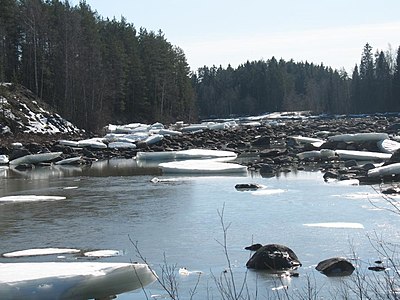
178	219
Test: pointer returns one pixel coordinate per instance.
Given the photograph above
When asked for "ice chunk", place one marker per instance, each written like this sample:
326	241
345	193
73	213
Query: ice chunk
359	137
336	225
362	155
78	280
202	167
30	198
35	158
102	253
40	251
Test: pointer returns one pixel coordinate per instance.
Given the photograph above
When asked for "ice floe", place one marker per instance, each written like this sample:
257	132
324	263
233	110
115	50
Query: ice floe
65	280
388	146
323	153
266	192
362	155
185	155
185	272
35	158
3	159
392	169
102	253
30	198
359	137
336	225
41	251
202	167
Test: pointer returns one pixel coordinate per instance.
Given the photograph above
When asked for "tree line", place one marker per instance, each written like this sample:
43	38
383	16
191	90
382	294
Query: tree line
93	70
272	85
96	71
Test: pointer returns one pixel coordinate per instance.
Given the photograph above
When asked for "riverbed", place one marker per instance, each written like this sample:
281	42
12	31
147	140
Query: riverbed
182	220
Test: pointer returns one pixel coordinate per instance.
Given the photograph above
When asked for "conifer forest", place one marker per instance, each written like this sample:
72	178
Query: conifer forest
95	71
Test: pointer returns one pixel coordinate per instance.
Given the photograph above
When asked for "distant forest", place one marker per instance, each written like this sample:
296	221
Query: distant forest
96	71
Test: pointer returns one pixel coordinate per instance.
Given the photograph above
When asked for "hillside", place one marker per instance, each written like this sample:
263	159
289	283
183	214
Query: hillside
21	112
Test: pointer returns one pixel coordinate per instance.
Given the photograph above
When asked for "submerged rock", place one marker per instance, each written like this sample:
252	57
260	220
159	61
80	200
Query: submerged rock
272	257
336	266
247	186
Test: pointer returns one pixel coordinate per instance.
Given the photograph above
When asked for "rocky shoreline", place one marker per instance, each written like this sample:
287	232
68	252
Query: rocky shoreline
268	148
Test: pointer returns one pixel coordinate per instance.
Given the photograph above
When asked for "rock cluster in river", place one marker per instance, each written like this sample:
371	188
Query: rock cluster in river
267	148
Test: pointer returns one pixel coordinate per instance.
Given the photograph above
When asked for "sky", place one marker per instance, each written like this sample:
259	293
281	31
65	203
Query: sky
222	32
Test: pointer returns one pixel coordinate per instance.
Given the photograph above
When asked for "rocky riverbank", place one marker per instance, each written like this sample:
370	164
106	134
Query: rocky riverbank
268	147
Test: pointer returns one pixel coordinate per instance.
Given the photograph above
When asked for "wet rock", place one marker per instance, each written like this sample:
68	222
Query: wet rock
395	158
19	152
391	191
263	141
350	163
273	257
330	175
247	186
336	266
377	268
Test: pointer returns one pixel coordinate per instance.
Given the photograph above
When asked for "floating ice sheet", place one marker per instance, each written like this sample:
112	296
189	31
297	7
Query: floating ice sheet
40	251
61	280
30	198
336	225
202	167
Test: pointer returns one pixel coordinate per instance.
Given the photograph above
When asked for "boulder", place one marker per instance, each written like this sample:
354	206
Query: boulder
336	266
247	186
272	257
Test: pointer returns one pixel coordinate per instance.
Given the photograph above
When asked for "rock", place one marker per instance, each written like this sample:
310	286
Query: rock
247	186
330	174
263	141
20	152
350	163
273	257
336	266
377	268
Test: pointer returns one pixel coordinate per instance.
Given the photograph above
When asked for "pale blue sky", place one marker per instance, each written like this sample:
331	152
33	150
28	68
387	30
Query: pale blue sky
218	32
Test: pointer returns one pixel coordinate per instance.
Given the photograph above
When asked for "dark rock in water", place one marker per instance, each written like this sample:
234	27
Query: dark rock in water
19	152
377	268
391	190
336	266
272	152
330	174
394	128
350	163
272	257
247	186
395	158
368	166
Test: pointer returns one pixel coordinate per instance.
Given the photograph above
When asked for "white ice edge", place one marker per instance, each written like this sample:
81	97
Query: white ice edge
266	192
201	167
40	251
30	198
102	253
336	225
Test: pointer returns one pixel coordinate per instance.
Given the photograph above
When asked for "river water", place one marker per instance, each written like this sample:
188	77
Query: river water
113	203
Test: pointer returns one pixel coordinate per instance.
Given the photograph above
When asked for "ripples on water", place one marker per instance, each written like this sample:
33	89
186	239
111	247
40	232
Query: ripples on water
110	202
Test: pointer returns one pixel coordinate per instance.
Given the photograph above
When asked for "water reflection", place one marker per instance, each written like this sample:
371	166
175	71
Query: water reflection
103	168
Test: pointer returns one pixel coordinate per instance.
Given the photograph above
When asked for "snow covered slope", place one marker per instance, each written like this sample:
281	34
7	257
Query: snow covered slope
22	112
